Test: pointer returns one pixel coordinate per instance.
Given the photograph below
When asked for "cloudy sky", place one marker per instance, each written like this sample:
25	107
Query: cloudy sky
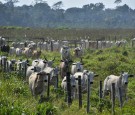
80	3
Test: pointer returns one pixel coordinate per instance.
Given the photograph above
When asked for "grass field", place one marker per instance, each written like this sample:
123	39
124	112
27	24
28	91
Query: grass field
16	98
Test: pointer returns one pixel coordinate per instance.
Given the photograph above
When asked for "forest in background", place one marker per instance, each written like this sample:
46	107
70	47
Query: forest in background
42	15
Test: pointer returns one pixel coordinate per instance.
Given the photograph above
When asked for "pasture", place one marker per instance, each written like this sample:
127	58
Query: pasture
16	98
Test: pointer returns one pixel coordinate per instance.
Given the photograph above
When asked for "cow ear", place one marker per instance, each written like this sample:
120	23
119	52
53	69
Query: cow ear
28	64
131	75
61	60
70	61
44	61
95	75
76	78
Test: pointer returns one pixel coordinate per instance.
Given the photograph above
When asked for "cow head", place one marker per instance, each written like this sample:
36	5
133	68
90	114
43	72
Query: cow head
124	77
49	63
91	75
72	81
42	77
78	66
65	51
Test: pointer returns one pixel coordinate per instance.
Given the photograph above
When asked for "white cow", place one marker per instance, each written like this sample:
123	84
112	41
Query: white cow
53	72
27	52
10	65
65	52
76	67
3	60
84	77
18	51
30	70
12	51
78	52
37	83
72	84
2	41
120	82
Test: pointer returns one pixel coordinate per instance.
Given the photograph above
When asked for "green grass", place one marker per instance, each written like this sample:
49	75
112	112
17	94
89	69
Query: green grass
16	98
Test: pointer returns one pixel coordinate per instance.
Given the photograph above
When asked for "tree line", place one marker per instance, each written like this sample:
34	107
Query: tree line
88	16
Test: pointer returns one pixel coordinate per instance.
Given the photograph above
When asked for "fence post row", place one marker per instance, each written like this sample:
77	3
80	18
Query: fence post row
68	89
80	92
113	98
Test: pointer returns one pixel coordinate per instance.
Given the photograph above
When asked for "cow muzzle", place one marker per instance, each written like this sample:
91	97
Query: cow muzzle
78	70
91	82
73	86
45	80
126	83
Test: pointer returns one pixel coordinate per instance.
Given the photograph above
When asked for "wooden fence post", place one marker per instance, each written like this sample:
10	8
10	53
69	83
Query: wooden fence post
25	70
57	82
4	59
132	43
7	66
68	89
88	94
113	98
80	92
100	95
20	69
100	90
97	44
51	45
48	86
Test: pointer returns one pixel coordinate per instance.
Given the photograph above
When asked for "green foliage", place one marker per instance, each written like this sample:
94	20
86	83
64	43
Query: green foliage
46	109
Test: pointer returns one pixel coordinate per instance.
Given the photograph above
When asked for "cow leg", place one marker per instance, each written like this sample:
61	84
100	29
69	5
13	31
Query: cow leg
41	99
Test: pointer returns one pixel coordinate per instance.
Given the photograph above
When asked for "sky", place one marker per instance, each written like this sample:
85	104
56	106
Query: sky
79	3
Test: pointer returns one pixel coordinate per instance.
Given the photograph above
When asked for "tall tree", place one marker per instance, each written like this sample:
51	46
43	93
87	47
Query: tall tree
57	5
118	1
10	3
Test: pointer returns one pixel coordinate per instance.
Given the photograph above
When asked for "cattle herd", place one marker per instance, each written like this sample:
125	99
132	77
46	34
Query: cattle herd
41	71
